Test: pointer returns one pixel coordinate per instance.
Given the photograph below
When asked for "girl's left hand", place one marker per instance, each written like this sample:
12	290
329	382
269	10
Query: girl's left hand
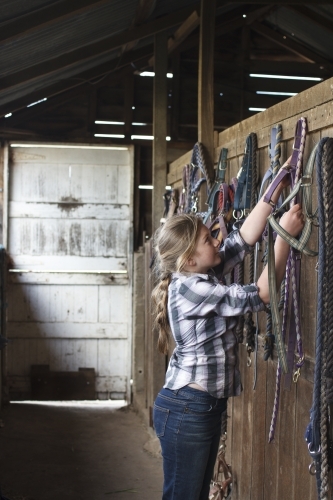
293	220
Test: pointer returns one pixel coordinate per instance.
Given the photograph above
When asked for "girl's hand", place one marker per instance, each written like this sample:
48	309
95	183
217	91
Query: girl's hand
293	220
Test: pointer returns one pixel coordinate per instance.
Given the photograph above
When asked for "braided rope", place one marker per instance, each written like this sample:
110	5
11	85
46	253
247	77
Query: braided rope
290	278
269	337
249	328
323	400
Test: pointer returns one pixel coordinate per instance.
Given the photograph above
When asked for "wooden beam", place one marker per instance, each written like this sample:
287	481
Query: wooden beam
314	17
92	108
159	127
89	51
188	26
175	98
289	44
159	168
206	84
128	105
43	17
81	79
143	11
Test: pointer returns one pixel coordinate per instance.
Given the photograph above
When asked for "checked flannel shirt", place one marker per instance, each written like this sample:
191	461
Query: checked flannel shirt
202	314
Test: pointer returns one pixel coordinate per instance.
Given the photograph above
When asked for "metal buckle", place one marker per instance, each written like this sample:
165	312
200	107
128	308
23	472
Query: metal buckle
306	180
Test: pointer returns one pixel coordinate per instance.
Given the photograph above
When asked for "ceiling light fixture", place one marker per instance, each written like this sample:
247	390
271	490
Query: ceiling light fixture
257	109
114	136
286	77
147	137
37	102
67	146
266	92
101	122
152	73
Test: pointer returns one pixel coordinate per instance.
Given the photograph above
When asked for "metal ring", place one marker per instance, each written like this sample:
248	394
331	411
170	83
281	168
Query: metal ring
314	453
312	469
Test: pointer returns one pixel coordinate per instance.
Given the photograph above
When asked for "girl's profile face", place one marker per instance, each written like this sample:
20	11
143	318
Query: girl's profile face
206	252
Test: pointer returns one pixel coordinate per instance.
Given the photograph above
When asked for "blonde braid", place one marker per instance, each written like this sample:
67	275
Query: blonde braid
174	243
160	304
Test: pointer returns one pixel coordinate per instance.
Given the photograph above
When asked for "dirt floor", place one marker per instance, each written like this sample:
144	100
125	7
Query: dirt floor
82	452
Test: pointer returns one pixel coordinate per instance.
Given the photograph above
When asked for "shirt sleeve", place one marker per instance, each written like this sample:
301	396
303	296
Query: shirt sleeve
203	298
233	252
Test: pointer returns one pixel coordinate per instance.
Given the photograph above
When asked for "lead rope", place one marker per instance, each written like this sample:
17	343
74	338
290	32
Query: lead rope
290	278
242	204
249	327
317	433
275	167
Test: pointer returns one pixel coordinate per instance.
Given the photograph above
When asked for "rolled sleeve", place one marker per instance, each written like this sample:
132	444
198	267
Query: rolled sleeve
234	251
202	298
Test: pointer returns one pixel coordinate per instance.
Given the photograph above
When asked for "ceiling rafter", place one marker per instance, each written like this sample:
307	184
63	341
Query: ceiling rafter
313	16
45	16
143	11
90	51
291	45
188	26
97	76
66	96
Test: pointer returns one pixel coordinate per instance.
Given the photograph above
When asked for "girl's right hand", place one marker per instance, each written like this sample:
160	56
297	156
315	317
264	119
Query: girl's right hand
293	220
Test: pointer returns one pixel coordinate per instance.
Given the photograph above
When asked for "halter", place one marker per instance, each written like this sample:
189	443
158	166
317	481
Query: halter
286	363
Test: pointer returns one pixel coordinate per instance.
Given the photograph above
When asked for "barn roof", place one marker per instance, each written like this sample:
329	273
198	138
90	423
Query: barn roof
49	48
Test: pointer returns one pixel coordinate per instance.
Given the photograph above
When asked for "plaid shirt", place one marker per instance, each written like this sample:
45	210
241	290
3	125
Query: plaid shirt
202	314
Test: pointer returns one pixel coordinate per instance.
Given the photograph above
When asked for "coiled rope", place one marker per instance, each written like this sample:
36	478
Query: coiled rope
249	326
317	434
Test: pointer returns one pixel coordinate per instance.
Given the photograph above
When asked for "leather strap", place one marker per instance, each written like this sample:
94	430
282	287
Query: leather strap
242	202
220	176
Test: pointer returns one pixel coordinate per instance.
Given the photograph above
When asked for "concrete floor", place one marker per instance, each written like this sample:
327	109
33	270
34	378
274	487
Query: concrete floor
82	452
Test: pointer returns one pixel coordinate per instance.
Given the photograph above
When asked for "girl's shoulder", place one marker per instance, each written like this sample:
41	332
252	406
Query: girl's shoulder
190	278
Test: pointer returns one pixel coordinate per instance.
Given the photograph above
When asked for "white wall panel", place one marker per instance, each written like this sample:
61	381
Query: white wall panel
70	218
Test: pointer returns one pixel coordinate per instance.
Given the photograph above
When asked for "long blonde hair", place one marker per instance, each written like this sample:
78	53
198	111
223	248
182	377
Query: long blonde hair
174	243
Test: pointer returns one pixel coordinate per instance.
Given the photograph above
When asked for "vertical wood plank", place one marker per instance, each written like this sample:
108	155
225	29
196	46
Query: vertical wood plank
271	454
245	485
128	105
305	484
286	458
237	426
259	437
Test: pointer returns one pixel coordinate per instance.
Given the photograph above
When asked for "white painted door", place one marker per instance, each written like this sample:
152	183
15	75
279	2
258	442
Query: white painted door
70	244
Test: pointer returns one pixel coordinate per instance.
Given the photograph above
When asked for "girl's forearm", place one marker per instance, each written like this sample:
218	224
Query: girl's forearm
281	256
255	222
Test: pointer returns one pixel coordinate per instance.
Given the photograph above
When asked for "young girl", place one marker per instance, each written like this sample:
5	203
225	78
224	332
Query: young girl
200	312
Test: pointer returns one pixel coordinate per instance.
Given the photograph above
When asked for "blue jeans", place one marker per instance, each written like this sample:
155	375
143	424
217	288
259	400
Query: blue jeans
188	424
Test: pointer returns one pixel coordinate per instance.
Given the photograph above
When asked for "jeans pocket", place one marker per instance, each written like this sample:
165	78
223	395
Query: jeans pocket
160	418
198	408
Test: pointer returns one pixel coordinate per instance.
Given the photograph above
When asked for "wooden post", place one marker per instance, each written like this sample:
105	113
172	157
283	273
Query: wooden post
175	97
159	127
128	100
157	361
206	85
92	109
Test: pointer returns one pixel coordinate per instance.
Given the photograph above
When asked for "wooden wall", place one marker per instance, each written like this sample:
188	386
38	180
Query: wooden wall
278	470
